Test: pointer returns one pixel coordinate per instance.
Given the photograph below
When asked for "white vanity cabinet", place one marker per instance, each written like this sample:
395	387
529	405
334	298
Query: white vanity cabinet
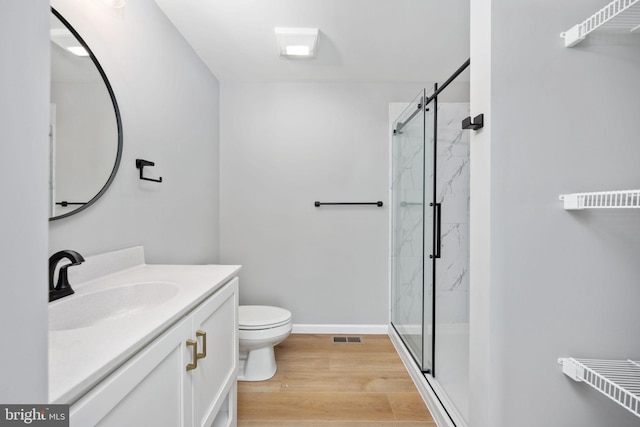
154	387
213	381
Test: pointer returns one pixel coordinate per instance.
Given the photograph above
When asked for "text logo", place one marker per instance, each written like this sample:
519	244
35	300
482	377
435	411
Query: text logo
34	415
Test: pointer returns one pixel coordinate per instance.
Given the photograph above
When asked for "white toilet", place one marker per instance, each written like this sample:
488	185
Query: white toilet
261	328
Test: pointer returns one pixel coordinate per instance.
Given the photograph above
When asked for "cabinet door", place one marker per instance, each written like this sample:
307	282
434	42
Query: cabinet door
151	389
216	374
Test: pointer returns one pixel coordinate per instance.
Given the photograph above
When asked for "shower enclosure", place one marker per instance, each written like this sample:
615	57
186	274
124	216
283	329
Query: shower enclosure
429	237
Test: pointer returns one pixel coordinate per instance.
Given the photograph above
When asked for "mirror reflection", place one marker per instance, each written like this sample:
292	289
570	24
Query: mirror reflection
84	125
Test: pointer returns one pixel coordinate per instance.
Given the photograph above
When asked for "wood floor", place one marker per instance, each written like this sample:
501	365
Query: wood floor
320	384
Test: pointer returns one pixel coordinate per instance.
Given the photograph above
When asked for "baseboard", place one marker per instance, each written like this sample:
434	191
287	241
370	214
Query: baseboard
438	412
340	329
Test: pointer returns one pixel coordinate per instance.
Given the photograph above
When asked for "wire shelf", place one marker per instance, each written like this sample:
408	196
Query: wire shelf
619	380
619	14
624	199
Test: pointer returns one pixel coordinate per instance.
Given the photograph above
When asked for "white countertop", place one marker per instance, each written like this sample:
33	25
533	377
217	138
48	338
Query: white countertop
80	358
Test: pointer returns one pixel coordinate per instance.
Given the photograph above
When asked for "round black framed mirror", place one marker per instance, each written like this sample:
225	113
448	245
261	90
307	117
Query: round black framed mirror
85	128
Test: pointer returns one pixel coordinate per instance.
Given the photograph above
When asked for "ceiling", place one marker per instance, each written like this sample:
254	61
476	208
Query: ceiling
360	40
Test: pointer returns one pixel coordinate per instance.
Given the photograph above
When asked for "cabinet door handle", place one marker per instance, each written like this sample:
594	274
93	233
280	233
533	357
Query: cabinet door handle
202	334
194	344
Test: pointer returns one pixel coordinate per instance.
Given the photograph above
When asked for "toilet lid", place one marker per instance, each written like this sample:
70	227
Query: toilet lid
262	316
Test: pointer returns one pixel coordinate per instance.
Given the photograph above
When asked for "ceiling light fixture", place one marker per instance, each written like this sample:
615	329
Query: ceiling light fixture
297	42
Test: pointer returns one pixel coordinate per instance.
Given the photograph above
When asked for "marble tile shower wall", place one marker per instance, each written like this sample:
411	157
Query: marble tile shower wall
407	238
452	271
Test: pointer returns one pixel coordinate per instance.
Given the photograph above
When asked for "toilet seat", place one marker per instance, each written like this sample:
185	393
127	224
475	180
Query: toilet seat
256	317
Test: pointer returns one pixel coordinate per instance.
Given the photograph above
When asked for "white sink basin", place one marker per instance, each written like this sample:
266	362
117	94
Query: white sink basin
120	302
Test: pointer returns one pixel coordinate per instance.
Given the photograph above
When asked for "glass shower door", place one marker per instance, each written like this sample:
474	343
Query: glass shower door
430	239
412	223
452	268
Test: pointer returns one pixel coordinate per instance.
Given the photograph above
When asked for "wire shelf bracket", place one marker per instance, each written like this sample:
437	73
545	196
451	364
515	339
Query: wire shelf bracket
624	199
619	14
619	380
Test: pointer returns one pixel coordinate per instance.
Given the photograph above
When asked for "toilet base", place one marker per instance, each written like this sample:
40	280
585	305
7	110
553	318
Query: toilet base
257	365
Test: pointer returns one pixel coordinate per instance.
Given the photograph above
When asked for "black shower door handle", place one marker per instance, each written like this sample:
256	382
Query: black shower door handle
437	221
438	218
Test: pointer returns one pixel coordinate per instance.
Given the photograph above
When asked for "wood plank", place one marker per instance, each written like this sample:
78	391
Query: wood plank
409	407
371	362
347	382
314	406
304	362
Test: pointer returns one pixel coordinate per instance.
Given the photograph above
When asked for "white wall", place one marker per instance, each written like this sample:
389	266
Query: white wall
561	283
284	146
24	120
169	105
482	387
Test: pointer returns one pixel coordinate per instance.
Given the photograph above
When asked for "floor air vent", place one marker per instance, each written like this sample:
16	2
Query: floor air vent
348	340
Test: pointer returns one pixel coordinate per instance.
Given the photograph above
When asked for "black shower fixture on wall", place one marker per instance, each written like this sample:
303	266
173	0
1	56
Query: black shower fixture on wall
475	124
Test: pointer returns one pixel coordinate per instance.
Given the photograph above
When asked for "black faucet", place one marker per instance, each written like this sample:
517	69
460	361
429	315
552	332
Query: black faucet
63	288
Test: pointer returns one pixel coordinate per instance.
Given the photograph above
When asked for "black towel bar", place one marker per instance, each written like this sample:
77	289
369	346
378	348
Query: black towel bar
378	203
